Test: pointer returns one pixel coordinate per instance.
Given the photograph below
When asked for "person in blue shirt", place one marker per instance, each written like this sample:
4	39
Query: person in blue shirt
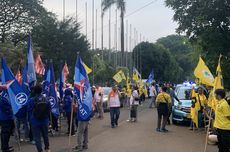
39	111
6	123
68	107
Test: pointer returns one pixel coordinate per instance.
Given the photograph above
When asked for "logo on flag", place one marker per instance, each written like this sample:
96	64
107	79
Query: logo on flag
21	98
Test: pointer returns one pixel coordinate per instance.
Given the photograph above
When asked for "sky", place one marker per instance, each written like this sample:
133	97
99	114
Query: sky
151	22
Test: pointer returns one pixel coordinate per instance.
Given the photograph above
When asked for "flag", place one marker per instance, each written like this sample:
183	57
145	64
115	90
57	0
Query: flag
128	88
39	66
136	75
119	76
19	77
53	94
25	84
31	76
82	91
218	82
61	83
46	81
203	73
65	72
88	70
17	97
151	77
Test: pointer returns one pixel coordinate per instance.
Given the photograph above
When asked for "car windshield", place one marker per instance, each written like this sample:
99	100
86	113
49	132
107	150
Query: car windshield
184	93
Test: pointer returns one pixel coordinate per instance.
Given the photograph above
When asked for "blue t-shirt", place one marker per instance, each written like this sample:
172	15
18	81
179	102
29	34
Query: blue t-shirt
68	103
32	119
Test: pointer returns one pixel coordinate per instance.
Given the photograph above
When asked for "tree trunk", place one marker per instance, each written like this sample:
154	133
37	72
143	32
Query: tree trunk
122	39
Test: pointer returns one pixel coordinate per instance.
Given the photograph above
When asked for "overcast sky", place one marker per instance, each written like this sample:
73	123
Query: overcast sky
152	22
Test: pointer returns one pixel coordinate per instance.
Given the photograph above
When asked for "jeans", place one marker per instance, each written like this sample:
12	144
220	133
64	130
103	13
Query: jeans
7	127
223	140
153	102
37	132
114	115
162	111
82	134
25	124
54	122
99	109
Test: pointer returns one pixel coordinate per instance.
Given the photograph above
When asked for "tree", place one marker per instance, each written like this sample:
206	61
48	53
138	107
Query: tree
106	4
18	16
207	24
157	57
60	41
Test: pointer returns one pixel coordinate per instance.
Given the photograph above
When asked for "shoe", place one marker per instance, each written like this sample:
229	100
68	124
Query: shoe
77	149
73	135
48	150
158	130
128	120
164	130
32	142
112	126
85	147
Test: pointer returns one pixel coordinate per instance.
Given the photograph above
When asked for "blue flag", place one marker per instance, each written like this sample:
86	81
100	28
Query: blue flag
82	91
17	97
31	75
61	83
52	92
151	77
46	82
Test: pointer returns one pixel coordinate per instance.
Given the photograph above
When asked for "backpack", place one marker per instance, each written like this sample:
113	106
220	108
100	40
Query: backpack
41	109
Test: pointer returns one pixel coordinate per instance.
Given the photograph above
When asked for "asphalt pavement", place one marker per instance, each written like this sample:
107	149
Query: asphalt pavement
130	137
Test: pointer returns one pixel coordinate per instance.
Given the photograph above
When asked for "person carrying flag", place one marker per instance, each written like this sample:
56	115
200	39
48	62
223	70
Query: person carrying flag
6	123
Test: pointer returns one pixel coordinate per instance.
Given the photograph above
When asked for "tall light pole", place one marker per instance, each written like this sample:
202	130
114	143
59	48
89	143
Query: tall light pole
63	10
86	19
76	10
96	32
110	34
126	54
102	34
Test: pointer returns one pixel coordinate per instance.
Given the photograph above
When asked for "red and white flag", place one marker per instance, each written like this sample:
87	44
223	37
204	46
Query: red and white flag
65	71
39	66
18	77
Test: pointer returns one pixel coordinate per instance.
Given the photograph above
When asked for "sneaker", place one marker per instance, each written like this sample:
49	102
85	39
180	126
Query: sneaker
32	142
128	120
73	135
85	147
77	149
164	130
47	150
158	130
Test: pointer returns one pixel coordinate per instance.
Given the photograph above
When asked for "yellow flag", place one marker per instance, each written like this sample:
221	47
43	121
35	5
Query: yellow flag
119	76
218	82
135	75
88	70
128	89
203	73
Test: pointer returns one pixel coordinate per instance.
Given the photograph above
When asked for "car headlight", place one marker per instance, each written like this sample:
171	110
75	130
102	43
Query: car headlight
178	107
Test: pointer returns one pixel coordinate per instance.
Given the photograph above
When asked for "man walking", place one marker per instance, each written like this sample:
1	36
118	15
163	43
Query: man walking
98	96
39	111
114	105
152	94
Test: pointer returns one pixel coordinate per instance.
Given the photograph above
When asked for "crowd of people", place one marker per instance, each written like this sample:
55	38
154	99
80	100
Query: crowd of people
37	119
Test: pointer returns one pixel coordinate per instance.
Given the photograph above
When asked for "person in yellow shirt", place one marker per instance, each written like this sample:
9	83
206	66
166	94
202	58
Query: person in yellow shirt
198	105
222	121
163	102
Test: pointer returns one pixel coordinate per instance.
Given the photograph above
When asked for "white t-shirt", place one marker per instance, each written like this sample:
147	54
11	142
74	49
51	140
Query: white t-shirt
98	94
114	101
132	98
152	91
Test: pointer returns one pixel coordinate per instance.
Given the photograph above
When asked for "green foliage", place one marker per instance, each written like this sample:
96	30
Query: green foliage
17	17
207	24
161	60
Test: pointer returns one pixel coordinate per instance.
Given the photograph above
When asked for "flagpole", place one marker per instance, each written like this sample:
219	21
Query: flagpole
92	24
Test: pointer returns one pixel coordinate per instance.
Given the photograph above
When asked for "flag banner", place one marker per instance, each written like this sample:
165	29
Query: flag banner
218	82
53	94
82	91
46	82
88	70
31	76
39	66
151	77
203	73
65	72
25	84
119	76
136	75
19	77
17	97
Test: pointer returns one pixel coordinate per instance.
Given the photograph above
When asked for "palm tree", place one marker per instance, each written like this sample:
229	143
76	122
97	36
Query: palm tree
106	4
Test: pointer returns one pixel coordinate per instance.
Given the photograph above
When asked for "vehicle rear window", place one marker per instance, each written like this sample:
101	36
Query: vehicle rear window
184	93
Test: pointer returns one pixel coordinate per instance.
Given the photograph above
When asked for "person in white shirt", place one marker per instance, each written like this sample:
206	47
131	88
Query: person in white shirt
153	95
114	106
134	102
98	96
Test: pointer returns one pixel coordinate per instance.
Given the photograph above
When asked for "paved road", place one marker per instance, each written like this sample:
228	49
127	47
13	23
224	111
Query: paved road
133	137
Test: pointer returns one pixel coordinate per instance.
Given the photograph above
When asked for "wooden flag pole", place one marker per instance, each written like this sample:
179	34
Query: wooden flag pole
70	127
209	123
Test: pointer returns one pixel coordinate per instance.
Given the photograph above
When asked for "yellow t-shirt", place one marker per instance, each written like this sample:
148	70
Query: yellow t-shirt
222	112
202	99
162	97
